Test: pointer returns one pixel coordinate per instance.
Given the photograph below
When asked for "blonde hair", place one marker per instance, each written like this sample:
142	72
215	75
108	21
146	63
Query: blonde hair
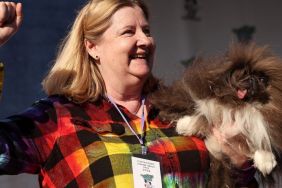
75	74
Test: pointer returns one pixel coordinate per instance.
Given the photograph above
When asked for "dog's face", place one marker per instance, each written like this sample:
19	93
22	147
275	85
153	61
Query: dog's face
241	83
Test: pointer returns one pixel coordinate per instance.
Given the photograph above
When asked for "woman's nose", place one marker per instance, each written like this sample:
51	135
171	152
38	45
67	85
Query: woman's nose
144	39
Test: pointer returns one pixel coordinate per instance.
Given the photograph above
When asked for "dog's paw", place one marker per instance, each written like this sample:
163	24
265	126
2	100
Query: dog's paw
184	127
264	161
213	146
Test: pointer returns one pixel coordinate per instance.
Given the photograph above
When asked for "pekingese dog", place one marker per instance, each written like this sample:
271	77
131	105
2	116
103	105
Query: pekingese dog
239	95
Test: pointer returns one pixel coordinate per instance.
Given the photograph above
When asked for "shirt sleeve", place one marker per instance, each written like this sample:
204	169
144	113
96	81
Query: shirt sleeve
23	136
245	176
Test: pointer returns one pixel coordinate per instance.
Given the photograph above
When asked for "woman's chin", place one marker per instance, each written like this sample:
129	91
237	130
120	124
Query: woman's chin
142	73
141	76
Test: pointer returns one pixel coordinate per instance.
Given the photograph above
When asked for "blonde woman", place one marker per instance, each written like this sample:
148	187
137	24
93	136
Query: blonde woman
96	128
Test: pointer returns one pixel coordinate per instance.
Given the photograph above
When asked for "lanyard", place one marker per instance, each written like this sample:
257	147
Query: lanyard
141	138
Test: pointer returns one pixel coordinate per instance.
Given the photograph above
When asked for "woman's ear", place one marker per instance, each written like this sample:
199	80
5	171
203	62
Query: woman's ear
91	48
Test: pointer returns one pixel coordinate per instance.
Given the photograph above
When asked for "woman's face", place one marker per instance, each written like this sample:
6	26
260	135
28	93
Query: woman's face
126	49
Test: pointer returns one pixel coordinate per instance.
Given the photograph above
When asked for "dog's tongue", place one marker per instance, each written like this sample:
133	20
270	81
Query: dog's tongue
241	93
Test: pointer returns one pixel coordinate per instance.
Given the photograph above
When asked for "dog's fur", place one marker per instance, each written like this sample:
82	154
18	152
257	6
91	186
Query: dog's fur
238	94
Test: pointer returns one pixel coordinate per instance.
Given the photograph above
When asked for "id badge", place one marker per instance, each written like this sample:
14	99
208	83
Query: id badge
146	172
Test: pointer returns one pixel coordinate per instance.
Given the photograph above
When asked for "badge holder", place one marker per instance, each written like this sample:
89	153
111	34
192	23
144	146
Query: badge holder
146	170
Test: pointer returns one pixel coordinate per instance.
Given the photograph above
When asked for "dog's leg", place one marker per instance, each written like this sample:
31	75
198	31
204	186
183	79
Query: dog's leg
213	146
195	125
183	126
264	161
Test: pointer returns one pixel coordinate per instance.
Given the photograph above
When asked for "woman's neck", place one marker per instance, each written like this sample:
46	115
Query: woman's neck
130	100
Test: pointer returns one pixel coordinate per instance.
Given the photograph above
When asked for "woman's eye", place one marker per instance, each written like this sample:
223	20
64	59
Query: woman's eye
147	32
128	32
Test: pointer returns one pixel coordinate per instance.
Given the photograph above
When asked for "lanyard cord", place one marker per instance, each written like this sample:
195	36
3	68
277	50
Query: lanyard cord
141	138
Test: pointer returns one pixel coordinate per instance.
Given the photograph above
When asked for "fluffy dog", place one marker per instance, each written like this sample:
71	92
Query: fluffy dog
238	94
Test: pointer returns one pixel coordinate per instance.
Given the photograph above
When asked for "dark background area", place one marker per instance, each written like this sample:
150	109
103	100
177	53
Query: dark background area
30	53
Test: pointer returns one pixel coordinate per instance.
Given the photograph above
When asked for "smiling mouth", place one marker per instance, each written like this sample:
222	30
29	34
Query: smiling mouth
139	56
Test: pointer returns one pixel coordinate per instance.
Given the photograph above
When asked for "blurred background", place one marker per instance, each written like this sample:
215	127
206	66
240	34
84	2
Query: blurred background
182	29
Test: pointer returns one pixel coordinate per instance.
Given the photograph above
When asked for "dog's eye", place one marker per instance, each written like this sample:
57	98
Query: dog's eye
263	79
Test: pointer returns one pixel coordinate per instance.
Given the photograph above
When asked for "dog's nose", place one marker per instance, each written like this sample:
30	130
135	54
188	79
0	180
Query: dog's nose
253	86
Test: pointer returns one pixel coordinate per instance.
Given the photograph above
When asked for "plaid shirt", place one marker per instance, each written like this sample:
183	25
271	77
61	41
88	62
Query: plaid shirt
89	145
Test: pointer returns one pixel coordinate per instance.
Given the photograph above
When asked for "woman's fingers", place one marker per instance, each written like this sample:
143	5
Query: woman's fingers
10	12
19	14
4	13
10	19
237	157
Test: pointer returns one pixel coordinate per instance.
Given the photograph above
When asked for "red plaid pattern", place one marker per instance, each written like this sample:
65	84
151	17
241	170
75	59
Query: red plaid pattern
89	145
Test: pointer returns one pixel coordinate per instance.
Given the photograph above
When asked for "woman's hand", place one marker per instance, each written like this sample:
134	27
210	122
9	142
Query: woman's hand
10	20
237	158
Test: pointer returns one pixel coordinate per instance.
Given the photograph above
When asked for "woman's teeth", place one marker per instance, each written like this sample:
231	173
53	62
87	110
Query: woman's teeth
141	56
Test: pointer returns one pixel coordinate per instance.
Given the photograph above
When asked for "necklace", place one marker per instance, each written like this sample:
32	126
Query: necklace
142	137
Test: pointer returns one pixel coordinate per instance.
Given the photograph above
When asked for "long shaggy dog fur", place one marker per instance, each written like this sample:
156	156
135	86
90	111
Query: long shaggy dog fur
239	94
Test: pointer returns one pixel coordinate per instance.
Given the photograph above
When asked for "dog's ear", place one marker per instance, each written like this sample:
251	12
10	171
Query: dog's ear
172	102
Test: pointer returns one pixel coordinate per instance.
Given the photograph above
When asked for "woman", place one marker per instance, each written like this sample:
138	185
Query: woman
96	128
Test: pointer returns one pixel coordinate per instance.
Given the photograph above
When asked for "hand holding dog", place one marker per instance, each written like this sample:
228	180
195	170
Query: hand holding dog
236	158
